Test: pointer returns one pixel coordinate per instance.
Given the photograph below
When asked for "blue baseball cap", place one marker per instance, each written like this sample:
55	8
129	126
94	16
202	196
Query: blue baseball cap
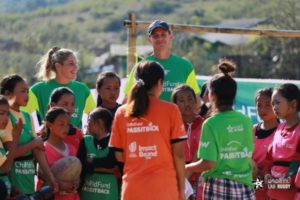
158	24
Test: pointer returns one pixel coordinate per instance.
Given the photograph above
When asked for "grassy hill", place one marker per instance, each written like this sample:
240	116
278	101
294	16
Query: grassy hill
90	26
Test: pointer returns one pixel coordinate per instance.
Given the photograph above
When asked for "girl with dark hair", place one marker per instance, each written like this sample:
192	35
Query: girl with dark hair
264	134
64	97
7	158
58	68
22	173
185	98
57	127
226	143
284	153
98	160
147	135
108	87
205	108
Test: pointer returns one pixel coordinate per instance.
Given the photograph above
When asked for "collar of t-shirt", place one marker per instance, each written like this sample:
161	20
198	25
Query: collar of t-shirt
263	133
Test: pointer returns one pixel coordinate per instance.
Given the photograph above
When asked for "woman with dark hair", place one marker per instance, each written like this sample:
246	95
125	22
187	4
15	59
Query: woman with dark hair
226	143
147	135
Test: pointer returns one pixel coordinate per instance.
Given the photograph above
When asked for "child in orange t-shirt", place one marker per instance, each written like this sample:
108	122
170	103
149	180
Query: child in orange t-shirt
185	98
147	135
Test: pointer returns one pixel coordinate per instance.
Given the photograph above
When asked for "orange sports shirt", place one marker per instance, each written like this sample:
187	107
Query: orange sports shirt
149	171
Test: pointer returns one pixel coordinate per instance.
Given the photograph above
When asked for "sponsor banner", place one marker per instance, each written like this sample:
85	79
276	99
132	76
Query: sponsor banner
247	89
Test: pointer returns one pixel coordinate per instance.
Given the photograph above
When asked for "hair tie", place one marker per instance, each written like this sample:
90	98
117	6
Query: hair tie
140	82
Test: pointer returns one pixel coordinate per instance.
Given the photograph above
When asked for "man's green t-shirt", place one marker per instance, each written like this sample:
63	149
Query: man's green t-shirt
39	97
177	71
227	139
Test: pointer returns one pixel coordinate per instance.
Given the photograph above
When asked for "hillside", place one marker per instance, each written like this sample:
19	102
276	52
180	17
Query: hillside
90	26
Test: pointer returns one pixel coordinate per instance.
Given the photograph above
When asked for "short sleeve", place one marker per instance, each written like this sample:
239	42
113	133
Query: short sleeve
117	135
130	81
32	104
208	145
177	127
192	82
90	103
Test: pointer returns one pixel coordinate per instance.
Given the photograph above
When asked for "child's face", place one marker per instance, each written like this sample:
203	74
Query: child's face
60	126
20	94
264	108
96	127
186	102
110	90
66	101
281	106
4	110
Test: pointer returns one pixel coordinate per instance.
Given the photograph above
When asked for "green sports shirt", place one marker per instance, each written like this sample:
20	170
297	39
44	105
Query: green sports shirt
177	71
227	139
39	97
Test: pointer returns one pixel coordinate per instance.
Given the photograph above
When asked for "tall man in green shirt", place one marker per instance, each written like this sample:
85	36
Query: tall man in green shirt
177	70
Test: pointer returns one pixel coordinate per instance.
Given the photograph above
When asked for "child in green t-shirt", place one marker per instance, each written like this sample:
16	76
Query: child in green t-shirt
98	160
226	143
7	158
29	147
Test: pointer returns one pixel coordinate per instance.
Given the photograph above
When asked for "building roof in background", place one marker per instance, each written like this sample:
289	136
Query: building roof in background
120	50
233	39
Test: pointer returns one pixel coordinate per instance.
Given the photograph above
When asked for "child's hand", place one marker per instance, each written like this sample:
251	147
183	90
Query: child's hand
42	131
54	184
17	129
66	186
38	143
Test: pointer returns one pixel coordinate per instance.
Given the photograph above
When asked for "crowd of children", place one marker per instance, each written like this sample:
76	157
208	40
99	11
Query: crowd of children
147	148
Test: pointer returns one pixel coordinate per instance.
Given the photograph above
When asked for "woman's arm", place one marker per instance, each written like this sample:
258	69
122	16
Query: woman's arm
179	161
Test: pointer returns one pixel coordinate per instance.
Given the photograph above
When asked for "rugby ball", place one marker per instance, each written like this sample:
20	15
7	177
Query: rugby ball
67	169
